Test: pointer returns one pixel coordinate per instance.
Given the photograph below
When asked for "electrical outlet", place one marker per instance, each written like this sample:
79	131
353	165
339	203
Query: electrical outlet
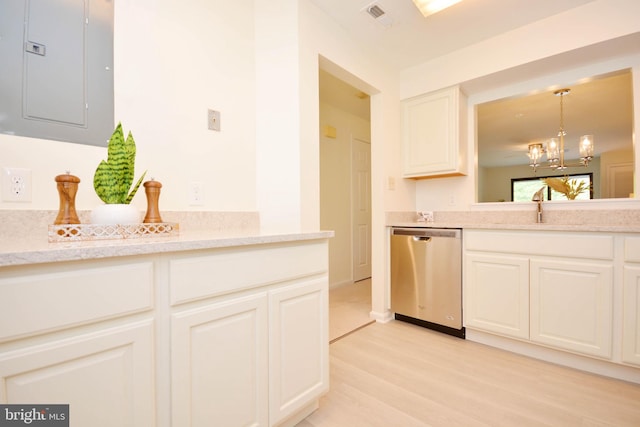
213	120
196	196
16	185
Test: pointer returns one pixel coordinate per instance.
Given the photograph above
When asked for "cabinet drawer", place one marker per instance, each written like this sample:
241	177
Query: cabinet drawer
219	272
47	298
546	243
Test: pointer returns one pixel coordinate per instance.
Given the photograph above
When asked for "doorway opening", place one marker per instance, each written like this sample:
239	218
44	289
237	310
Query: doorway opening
345	200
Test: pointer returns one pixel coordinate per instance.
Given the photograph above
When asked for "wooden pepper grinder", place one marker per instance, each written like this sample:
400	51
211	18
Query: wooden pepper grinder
67	188
152	189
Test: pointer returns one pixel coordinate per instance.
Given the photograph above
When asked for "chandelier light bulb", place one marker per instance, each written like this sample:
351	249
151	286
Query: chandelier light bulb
535	154
553	150
586	147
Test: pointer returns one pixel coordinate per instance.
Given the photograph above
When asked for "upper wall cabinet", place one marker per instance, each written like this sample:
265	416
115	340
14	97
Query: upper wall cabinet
433	134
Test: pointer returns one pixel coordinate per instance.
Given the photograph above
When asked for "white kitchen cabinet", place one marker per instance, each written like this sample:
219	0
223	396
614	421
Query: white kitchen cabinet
298	351
80	333
572	305
219	357
631	319
433	134
497	294
231	335
550	288
249	334
105	376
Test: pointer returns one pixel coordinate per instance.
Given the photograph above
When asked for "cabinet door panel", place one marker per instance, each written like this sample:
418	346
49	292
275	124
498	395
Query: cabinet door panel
219	364
299	347
497	294
106	377
631	325
431	134
572	305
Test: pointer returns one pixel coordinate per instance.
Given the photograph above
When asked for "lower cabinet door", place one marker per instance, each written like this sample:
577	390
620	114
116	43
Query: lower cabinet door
631	325
106	377
299	347
572	305
497	294
219	364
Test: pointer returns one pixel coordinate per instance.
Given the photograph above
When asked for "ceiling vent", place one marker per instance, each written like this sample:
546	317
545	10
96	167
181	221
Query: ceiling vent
376	12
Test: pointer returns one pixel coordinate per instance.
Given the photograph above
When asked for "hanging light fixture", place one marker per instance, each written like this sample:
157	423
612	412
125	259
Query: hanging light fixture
555	146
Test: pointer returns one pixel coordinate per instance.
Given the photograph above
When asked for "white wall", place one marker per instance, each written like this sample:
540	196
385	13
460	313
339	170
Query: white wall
336	189
173	61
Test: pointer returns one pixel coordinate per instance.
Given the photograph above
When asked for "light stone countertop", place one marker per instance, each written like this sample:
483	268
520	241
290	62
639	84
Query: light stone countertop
633	228
35	251
611	220
24	237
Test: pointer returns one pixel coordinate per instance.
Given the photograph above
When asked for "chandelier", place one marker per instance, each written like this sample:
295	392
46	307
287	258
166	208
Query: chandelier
554	148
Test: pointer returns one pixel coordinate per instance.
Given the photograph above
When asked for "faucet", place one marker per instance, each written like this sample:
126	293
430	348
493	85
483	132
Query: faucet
538	197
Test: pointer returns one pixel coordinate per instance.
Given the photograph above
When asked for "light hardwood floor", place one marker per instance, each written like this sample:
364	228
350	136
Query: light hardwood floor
349	308
402	375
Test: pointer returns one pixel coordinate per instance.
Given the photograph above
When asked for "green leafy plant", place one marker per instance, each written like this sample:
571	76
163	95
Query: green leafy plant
571	188
113	178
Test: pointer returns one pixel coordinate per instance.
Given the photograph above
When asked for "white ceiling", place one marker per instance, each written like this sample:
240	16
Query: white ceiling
602	107
413	39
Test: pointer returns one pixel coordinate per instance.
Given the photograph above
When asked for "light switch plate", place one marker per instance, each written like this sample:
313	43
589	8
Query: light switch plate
213	120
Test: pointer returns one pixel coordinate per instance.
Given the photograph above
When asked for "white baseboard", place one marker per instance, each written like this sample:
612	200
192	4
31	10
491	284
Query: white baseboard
381	317
571	360
339	284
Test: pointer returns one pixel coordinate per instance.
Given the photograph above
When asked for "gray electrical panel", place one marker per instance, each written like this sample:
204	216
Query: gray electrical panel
56	78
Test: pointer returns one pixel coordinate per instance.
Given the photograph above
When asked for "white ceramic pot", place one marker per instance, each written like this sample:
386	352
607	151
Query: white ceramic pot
115	214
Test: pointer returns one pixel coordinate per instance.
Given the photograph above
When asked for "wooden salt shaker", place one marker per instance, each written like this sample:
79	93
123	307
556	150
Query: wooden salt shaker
67	188
152	190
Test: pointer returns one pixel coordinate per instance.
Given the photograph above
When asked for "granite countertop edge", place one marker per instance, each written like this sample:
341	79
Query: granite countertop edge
611	228
37	251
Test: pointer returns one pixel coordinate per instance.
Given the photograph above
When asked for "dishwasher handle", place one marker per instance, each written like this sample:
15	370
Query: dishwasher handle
427	232
421	238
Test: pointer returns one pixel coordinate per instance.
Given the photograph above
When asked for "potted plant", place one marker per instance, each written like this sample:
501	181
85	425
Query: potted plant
113	179
570	188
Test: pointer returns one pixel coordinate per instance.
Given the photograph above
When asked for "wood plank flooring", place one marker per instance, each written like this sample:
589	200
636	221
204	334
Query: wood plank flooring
398	374
349	308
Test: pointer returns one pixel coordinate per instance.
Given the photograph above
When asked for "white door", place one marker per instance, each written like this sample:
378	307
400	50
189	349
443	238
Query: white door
361	205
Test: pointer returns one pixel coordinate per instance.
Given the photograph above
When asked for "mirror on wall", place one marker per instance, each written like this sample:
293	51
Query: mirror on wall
601	106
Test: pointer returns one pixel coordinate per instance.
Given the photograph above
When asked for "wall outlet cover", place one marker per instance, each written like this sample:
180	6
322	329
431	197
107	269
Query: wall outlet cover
16	185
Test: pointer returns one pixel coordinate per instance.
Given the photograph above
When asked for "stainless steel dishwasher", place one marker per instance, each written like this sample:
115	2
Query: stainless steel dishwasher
426	278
